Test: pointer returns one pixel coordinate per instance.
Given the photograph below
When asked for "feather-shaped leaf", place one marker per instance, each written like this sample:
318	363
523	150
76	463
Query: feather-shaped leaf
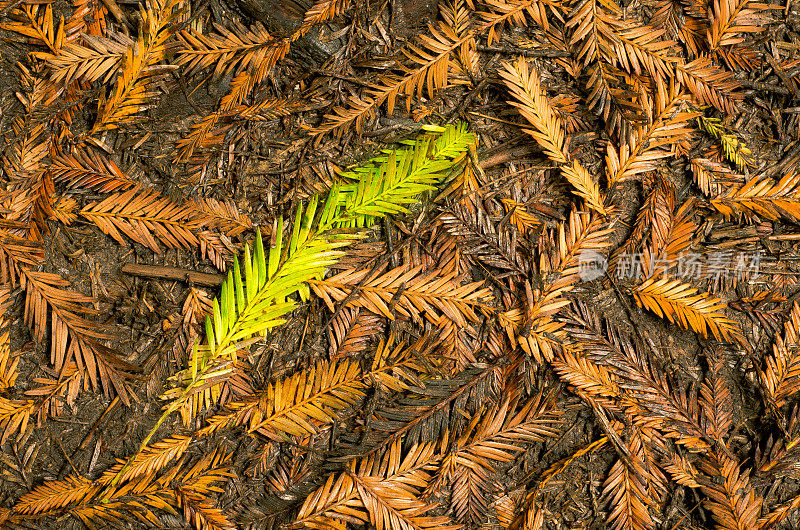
74	336
409	292
680	303
770	199
147	218
781	376
428	69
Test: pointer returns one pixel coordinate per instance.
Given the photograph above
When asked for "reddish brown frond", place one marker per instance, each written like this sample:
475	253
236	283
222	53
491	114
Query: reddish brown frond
731	18
73	336
297	405
513	12
8	363
37	25
594	27
640	50
709	84
17	254
95	58
134	88
384	492
352	330
533	105
409	292
152	459
533	327
230	50
427	70
715	401
689	29
54	495
680	303
223	215
88	169
781	376
642	151
147	218
625	491
731	498
770	199
615	97
588	378
682	471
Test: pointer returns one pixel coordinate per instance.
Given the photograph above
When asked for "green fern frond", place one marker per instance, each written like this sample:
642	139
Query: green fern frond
251	304
735	150
387	183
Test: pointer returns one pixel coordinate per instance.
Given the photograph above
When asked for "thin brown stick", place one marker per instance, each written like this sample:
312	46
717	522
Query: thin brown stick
173	273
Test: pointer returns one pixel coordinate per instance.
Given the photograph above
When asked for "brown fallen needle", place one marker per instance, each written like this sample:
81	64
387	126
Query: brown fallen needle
173	273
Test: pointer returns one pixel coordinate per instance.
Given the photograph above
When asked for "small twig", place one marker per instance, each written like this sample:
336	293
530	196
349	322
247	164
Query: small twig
513	50
466	100
64	452
778	70
173	273
757	85
347	78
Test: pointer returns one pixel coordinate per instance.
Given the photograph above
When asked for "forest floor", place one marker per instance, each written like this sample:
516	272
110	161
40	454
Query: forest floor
563	294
